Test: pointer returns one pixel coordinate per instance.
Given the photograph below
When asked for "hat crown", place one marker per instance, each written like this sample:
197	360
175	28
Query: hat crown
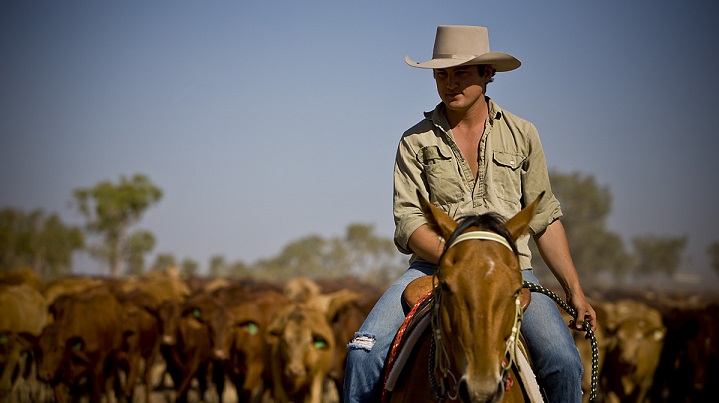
456	45
460	41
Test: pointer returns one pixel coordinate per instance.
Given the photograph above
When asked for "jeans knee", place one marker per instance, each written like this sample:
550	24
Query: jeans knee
362	341
569	363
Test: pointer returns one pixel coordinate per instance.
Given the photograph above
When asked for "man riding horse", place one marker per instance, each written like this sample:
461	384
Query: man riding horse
468	157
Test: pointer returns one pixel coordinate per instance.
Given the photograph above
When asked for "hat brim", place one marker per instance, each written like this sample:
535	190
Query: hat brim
500	61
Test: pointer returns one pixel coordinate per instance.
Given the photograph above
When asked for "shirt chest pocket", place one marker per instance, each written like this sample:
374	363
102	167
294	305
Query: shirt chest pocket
506	175
441	174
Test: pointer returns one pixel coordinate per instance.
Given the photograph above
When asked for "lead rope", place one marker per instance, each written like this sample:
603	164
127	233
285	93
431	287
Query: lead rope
587	328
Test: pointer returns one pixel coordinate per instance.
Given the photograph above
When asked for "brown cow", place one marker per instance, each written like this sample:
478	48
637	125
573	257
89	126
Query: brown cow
237	317
347	320
141	341
185	347
81	344
249	353
24	310
303	346
69	286
637	339
161	285
689	365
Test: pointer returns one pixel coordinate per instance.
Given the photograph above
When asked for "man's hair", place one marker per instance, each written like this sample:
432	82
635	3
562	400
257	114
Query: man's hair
482	68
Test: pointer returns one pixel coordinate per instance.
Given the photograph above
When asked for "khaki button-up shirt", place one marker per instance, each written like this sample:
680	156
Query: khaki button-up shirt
512	173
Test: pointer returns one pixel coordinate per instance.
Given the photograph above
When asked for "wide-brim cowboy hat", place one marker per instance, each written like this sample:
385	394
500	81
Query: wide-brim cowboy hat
457	45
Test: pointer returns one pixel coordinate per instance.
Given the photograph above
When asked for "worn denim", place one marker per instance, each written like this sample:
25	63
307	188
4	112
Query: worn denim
555	356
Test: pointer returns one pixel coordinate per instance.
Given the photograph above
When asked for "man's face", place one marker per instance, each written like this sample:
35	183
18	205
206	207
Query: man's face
460	87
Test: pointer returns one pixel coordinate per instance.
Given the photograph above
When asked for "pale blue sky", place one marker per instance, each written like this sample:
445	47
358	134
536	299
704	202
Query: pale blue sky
264	122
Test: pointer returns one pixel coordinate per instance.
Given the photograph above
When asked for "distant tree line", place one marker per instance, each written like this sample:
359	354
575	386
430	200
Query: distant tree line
113	210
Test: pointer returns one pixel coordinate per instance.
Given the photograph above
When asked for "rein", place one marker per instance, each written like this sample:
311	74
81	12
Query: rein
439	352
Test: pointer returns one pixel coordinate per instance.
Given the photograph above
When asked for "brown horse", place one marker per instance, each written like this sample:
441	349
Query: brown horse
475	320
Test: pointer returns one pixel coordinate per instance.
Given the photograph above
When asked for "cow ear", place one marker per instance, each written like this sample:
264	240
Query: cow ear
437	220
338	300
274	329
519	224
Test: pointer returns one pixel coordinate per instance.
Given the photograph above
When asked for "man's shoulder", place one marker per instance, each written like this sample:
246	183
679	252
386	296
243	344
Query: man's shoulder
517	125
432	119
507	115
422	127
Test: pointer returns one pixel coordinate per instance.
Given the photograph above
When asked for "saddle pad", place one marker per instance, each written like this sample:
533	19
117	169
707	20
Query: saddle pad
528	379
415	323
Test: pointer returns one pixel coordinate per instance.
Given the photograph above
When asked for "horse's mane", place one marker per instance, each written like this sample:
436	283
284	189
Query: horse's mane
492	222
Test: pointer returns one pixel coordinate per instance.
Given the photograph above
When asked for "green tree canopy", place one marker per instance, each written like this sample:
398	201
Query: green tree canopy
713	252
138	245
359	252
111	210
164	261
586	206
658	254
37	240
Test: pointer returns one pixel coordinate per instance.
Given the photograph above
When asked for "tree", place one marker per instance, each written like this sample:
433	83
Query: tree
304	257
218	266
35	240
111	210
370	255
189	267
586	206
359	252
138	245
164	261
713	252
657	254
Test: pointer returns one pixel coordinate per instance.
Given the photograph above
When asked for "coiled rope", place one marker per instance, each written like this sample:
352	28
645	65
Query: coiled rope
587	328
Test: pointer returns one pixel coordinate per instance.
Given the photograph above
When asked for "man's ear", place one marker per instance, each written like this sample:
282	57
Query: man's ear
437	220
518	224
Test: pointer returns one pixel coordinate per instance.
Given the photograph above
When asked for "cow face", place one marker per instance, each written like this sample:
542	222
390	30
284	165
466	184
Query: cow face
59	356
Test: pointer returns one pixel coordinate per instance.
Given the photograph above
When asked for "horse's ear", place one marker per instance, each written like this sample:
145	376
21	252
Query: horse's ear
437	220
518	224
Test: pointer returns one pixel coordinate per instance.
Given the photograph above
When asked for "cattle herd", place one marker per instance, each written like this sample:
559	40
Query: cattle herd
161	338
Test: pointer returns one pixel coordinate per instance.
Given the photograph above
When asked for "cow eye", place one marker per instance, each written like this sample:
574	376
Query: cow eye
3	339
319	343
252	328
196	312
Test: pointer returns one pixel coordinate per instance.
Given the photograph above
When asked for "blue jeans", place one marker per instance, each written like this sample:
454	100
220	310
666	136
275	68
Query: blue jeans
555	356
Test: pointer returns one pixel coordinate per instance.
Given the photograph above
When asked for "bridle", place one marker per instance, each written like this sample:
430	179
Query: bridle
441	362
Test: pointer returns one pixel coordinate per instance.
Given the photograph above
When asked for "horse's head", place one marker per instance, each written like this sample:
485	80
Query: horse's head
476	307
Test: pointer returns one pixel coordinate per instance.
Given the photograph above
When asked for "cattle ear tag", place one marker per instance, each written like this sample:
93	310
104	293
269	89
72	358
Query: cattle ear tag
253	328
196	313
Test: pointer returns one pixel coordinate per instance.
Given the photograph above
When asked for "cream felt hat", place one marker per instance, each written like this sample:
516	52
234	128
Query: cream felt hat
456	45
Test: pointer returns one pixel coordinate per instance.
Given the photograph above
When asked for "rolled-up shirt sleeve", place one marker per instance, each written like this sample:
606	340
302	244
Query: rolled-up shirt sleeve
535	180
408	178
